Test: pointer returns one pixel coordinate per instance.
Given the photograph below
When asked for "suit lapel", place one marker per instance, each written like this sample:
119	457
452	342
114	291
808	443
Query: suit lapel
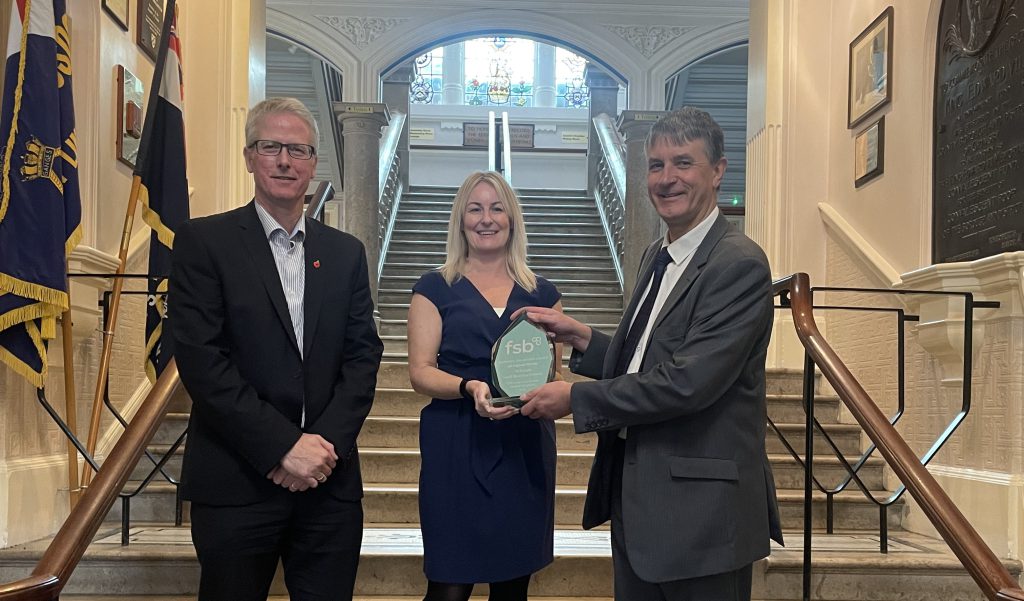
255	240
646	267
314	286
700	258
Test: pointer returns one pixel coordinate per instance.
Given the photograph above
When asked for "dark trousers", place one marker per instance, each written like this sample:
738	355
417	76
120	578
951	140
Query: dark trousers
315	536
728	586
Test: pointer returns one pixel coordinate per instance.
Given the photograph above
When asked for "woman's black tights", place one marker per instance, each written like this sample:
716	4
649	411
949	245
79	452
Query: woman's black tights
509	590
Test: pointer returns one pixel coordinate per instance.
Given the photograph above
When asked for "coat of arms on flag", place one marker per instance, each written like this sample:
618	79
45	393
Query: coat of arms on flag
40	207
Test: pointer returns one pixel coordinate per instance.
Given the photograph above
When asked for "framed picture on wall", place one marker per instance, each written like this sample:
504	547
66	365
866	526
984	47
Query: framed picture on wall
870	69
118	9
150	22
869	153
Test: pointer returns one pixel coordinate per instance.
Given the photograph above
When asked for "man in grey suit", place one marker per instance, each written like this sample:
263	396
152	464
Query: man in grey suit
679	403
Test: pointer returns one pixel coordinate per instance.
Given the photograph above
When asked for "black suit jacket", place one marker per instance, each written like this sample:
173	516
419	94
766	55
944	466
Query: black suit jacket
698	497
238	358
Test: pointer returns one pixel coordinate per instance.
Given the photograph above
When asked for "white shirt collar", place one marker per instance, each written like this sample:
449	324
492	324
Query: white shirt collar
270	225
684	246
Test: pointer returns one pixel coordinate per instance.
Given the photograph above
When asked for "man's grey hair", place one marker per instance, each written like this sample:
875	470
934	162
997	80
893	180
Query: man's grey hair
689	124
271	106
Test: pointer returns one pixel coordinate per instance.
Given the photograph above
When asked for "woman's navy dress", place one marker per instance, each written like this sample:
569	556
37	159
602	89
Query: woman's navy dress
487	488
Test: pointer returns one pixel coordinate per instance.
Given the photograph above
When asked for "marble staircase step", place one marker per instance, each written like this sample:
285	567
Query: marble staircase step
570	233
534	227
570	300
417	266
392	464
160	561
565	285
562	214
401	431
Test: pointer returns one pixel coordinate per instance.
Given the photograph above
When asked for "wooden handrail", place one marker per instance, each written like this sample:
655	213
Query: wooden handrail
988	572
66	549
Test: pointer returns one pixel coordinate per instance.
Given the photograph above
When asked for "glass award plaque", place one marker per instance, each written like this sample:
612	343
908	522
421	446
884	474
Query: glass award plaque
522	359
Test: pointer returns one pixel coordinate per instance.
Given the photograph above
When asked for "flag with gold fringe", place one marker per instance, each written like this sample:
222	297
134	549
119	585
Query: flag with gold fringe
40	207
164	189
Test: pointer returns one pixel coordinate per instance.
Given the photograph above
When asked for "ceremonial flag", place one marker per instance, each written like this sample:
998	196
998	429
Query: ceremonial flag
40	208
164	190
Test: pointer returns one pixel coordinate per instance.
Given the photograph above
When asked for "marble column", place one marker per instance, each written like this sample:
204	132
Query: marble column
604	97
544	75
395	94
453	74
361	124
642	224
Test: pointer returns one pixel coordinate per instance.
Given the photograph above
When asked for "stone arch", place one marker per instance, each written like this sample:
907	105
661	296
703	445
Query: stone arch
314	40
590	42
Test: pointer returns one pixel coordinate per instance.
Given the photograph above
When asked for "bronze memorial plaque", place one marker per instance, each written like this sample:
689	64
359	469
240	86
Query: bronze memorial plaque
978	178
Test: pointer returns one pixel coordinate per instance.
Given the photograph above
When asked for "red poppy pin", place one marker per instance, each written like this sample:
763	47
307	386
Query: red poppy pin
316	264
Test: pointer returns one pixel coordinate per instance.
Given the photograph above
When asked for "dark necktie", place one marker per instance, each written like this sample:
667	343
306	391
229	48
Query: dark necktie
643	314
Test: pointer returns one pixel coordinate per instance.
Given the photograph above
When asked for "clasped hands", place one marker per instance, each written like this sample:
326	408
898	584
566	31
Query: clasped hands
306	465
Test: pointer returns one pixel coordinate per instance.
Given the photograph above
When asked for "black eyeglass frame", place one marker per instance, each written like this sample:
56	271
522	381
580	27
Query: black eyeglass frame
295	151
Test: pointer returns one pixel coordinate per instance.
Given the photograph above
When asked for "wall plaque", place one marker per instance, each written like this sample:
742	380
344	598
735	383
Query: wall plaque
150	26
475	134
978	177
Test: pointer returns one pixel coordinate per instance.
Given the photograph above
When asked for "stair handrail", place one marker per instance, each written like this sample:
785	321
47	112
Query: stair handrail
389	170
54	568
991	576
506	148
610	191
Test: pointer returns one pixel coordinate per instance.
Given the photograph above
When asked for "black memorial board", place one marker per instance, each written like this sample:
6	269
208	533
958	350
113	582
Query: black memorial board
978	176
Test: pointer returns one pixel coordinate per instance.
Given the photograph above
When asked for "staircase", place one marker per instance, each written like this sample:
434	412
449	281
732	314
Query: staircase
567	247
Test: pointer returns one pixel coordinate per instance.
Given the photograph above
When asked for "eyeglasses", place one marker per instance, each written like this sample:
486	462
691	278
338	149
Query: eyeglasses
272	148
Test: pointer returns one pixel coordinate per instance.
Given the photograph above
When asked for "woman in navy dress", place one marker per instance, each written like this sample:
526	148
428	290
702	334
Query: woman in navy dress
487	481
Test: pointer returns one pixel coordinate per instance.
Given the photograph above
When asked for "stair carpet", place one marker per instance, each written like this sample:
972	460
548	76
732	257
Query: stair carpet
160	563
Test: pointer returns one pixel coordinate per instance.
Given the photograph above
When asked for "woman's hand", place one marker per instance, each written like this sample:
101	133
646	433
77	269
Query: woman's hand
482	401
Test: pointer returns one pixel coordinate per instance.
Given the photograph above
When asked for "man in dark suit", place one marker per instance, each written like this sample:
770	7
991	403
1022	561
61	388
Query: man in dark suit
274	337
679	406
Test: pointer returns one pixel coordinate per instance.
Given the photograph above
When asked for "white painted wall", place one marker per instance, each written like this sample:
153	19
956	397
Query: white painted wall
556	129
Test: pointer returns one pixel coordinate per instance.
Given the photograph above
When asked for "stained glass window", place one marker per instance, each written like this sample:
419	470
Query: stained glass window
499	71
426	85
570	89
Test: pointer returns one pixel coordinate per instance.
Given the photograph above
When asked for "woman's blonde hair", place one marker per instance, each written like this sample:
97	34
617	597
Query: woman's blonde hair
515	250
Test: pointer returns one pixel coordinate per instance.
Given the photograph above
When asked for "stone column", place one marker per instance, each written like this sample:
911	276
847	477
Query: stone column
361	124
642	224
543	75
395	94
604	96
453	74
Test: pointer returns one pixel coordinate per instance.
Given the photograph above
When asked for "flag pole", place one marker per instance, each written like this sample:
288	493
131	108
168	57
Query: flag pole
126	235
111	325
71	409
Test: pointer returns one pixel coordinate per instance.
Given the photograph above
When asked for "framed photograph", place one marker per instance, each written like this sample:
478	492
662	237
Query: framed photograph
118	9
870	69
869	153
129	116
149	24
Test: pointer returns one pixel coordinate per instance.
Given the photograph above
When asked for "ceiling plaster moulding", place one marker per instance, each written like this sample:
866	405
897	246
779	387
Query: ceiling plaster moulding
708	9
361	31
649	39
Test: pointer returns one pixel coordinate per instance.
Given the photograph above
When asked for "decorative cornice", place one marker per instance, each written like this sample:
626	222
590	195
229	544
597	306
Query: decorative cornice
361	31
648	39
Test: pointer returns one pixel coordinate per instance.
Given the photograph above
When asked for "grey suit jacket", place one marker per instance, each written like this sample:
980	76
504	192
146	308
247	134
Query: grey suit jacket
698	497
